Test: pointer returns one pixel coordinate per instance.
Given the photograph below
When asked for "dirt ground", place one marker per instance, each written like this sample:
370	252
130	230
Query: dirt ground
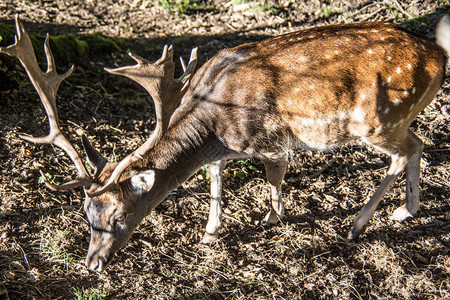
44	235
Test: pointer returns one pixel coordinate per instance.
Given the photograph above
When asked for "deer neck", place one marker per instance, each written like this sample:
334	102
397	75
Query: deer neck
188	144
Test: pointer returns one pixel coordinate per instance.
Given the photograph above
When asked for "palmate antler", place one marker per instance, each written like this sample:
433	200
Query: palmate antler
167	92
46	85
157	78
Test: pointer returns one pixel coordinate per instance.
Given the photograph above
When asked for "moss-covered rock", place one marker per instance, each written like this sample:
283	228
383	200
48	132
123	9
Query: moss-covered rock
7	33
8	78
99	44
67	49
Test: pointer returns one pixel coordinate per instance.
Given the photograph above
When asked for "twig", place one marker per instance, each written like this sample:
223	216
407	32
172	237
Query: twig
24	255
402	10
326	166
367	17
195	266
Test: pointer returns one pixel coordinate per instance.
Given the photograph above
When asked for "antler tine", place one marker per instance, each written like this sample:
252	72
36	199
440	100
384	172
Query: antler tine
188	71
167	55
46	85
183	64
192	62
138	59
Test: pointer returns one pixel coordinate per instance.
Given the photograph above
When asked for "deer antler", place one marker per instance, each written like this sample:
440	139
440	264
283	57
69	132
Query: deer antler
157	78
46	85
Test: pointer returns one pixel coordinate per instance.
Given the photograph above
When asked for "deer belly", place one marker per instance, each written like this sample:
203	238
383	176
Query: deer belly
324	133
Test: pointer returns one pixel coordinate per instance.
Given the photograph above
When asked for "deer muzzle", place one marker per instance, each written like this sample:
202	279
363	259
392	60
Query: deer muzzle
95	261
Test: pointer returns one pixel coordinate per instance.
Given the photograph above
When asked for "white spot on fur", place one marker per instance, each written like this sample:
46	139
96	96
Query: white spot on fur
396	102
389	79
405	93
370	51
363	96
413	91
409	66
388	125
358	115
303	58
399	70
387	110
389	57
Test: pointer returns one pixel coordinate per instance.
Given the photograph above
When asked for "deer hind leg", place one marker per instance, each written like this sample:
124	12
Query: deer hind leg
215	209
411	204
275	173
407	154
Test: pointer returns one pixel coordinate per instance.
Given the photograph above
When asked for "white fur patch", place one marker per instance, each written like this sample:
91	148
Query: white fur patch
358	115
143	182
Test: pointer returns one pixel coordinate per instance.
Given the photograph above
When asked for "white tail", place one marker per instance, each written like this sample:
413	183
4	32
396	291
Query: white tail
443	34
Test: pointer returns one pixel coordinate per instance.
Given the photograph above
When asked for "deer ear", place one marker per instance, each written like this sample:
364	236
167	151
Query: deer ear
143	182
94	158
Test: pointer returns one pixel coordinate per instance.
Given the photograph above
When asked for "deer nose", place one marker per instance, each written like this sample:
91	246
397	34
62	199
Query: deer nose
95	263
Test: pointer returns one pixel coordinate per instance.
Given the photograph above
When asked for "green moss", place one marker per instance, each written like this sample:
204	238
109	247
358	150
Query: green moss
7	33
67	49
99	44
8	78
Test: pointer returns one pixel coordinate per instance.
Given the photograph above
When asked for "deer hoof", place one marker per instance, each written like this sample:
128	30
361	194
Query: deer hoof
354	234
271	219
401	214
208	239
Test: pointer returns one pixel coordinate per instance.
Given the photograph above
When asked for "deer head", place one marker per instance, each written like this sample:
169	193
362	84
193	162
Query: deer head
114	193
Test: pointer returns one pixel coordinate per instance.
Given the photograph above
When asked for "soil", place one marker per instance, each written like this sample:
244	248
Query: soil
44	235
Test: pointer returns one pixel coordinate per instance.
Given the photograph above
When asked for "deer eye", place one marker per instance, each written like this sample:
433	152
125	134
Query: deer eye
121	218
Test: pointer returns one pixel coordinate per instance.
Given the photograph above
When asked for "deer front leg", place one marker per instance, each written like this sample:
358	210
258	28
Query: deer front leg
407	154
215	209
275	173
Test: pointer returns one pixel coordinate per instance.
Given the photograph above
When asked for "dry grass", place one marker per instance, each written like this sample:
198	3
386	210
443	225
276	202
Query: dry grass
44	235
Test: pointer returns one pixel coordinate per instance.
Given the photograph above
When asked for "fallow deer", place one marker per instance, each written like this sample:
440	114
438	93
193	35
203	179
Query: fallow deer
312	89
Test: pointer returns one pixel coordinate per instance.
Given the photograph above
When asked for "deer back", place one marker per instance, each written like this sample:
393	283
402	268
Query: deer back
317	88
